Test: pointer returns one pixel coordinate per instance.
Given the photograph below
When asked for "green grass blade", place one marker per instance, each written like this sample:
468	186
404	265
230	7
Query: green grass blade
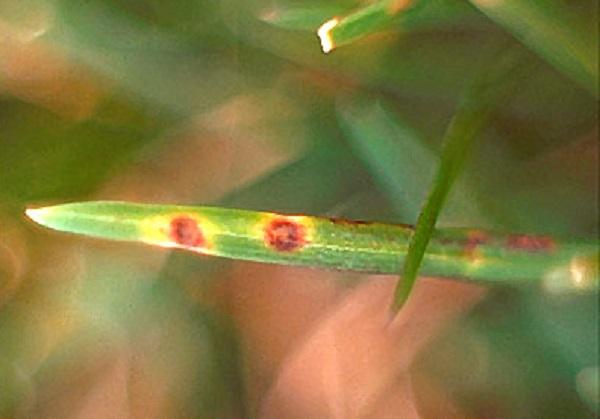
554	32
479	100
319	242
390	14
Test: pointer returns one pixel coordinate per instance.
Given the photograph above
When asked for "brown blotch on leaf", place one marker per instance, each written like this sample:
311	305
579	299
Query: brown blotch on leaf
185	231
475	238
285	235
530	243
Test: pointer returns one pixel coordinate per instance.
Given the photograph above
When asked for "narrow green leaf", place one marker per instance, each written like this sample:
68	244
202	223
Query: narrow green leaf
390	14
472	113
554	32
329	243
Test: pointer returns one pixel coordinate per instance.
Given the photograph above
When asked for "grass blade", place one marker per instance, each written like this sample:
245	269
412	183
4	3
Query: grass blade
328	243
472	113
390	14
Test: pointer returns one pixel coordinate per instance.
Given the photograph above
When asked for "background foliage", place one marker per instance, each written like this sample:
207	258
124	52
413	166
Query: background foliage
232	102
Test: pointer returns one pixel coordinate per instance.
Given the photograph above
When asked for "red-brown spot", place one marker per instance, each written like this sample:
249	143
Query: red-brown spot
530	243
185	231
475	238
285	235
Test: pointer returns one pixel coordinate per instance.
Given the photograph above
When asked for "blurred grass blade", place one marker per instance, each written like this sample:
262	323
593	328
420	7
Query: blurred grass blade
479	100
398	158
400	163
554	32
327	243
299	18
387	14
102	147
159	66
588	386
368	20
298	186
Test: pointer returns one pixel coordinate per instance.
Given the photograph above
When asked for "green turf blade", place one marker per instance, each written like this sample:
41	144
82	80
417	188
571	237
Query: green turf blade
470	117
321	242
390	15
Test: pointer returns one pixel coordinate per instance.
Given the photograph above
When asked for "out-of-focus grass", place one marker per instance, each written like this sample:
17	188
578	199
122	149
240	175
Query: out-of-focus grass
382	15
216	102
565	37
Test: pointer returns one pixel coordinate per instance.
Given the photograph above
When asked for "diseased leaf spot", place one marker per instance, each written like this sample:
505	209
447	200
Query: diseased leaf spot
475	238
530	243
284	235
184	230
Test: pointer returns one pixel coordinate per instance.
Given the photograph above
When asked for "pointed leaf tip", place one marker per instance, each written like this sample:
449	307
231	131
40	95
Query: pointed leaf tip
37	214
324	34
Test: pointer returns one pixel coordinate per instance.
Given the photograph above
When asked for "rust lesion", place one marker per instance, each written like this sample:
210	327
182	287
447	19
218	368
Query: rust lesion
475	238
285	235
530	243
472	245
184	230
